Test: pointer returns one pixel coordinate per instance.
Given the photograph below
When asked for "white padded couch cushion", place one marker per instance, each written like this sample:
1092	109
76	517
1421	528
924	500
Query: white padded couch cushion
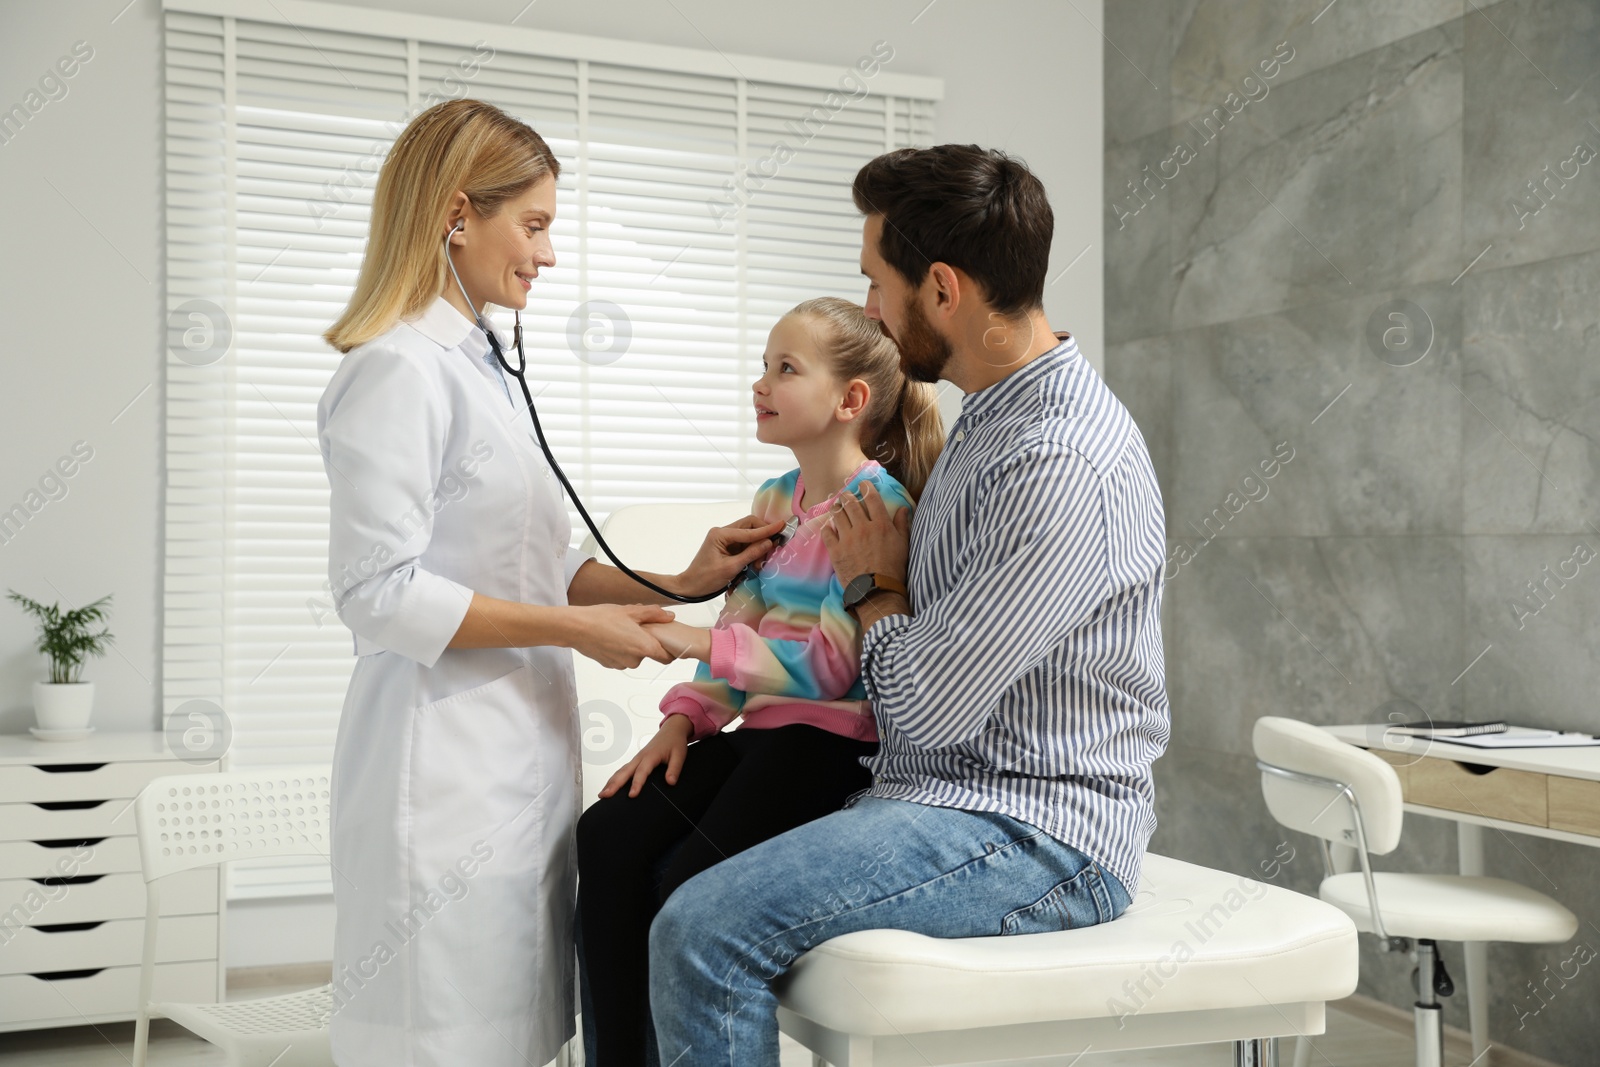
1193	939
1449	907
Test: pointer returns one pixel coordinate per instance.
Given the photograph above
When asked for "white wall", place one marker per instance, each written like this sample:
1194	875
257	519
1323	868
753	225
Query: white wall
80	297
81	280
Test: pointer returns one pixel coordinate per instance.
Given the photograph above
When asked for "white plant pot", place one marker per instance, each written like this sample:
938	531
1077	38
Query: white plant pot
64	706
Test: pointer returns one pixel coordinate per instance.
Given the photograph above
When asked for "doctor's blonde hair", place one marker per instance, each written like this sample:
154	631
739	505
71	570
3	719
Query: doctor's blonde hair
464	145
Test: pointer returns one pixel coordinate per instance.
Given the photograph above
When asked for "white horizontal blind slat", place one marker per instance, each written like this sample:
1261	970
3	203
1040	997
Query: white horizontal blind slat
275	135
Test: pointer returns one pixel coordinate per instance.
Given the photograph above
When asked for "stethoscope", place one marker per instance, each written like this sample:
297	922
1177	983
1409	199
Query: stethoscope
520	373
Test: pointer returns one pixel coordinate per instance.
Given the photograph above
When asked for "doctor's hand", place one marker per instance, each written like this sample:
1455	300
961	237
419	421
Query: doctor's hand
669	746
862	539
726	551
682	640
614	635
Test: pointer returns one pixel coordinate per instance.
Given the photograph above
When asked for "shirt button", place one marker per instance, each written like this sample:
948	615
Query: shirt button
961	435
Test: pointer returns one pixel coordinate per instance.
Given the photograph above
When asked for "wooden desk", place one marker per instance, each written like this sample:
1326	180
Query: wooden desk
1544	792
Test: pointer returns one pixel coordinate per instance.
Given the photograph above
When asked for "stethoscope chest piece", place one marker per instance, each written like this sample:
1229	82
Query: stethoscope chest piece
779	539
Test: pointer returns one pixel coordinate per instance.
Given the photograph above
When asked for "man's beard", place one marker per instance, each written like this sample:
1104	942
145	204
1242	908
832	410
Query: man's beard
923	351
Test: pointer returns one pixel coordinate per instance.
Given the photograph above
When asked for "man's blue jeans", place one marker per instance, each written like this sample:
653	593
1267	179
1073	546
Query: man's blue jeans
883	864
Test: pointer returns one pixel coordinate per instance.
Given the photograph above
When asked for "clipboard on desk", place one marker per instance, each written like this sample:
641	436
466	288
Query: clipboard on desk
1522	737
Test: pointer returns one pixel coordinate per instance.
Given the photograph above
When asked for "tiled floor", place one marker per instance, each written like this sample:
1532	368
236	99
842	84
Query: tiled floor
1350	1042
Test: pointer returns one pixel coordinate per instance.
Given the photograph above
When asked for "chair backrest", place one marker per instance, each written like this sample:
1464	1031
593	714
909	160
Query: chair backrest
620	710
199	820
1304	787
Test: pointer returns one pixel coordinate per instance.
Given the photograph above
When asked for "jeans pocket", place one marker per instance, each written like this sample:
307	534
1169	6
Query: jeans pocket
1082	900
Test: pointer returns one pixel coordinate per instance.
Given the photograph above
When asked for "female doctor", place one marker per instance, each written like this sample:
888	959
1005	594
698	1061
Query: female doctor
457	765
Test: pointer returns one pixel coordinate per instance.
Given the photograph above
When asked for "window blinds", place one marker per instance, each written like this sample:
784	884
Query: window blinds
702	195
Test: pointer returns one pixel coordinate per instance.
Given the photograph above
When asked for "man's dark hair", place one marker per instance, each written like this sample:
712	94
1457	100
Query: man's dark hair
974	208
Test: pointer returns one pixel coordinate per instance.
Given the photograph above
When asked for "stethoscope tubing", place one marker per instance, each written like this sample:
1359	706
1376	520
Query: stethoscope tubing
519	372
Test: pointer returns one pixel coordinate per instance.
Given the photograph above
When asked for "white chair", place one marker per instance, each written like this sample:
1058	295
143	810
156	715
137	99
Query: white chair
1200	956
203	820
620	710
1347	797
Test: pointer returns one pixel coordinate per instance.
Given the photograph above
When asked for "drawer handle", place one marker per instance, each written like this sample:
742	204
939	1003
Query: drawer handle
70	842
68	928
62	976
71	879
67	768
68	805
1475	768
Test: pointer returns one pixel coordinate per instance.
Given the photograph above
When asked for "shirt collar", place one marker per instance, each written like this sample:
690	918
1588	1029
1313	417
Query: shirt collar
986	401
822	505
447	327
444	325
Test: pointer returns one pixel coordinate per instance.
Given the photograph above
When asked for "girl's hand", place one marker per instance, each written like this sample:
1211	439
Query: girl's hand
725	552
682	640
669	746
616	636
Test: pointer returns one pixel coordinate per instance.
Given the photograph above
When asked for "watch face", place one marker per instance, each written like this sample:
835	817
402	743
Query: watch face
859	586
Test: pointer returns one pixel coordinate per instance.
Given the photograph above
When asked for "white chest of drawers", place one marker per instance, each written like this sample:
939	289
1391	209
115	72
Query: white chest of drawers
72	899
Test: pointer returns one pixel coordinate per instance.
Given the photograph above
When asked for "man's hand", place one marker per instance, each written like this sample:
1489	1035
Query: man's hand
863	539
725	552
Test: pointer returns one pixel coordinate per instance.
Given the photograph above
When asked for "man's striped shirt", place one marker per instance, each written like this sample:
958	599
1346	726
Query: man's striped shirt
1029	679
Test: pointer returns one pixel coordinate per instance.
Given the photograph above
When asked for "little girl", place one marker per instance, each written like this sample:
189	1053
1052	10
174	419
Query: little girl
784	653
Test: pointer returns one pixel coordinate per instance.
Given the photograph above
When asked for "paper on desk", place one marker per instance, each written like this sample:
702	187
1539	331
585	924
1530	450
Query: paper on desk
1521	737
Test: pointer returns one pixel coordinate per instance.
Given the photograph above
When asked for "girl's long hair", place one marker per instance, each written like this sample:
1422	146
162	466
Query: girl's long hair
464	145
901	428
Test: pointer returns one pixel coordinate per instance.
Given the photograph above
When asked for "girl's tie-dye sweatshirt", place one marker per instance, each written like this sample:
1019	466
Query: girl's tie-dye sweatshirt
784	650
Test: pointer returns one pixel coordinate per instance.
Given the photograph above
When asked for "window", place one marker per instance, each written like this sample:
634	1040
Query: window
702	195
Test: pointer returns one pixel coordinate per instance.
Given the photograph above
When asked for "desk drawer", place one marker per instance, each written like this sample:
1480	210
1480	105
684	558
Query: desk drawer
24	902
26	783
1575	805
118	943
31	859
67	1001
1499	793
94	818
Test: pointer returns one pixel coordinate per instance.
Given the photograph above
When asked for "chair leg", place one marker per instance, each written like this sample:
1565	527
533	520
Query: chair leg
1256	1052
141	1038
1302	1051
1428	1011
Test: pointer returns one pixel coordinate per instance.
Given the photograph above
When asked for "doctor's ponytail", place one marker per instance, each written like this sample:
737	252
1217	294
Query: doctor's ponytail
464	145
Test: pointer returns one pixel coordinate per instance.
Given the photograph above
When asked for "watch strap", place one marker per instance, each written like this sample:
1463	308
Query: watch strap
880	582
893	585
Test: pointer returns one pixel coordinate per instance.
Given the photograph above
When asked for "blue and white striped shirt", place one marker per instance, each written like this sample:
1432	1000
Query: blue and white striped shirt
1029	679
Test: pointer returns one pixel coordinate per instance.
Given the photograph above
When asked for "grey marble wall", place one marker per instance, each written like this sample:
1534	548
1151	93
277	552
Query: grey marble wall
1278	174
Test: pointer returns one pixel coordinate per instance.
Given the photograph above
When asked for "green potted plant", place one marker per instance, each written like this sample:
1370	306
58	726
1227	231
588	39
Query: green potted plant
67	638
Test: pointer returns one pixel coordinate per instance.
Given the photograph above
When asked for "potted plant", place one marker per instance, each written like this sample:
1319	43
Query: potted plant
67	638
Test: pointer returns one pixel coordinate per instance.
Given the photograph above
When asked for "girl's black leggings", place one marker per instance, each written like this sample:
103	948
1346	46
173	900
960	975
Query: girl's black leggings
736	789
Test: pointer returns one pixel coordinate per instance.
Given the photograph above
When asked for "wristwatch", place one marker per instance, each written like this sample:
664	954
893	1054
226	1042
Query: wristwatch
864	585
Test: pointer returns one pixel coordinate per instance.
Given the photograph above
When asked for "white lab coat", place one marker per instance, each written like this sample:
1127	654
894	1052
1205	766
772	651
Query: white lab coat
456	772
